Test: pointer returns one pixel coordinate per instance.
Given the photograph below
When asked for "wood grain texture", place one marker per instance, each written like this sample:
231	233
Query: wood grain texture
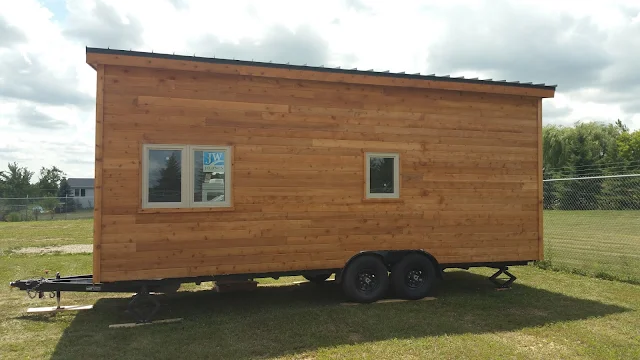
98	181
469	172
540	187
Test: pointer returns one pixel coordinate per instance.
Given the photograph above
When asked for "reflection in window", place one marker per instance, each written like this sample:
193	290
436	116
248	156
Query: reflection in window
165	171
381	175
209	176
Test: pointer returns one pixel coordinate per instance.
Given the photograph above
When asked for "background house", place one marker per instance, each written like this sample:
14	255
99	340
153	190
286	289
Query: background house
82	191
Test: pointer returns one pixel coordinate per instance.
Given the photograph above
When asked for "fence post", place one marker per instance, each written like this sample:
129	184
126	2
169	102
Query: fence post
66	206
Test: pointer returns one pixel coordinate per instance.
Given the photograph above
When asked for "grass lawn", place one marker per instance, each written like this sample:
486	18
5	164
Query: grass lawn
545	315
605	243
15	235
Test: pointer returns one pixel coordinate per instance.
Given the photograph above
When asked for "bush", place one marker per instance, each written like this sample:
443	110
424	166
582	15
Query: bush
14	217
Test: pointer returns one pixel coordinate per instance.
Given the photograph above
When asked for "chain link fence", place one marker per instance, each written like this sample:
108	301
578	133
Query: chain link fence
46	208
592	226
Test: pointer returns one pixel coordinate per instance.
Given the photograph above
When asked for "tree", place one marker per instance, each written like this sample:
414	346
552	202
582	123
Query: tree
16	182
590	150
65	195
629	147
49	181
65	189
170	181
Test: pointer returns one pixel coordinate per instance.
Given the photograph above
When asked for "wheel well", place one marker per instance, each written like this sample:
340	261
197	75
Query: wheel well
391	257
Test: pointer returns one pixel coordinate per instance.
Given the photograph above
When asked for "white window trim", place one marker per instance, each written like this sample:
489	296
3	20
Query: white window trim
187	170
396	176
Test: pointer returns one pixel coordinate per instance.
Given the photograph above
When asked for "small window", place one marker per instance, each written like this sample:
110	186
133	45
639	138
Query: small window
82	192
76	192
382	175
184	176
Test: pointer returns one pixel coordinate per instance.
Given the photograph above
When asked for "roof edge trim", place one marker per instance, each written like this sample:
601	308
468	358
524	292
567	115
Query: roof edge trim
333	70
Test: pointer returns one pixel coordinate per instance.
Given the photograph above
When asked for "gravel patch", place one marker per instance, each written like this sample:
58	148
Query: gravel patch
65	249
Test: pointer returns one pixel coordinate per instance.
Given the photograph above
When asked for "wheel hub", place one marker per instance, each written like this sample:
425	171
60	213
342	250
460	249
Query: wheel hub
414	278
367	281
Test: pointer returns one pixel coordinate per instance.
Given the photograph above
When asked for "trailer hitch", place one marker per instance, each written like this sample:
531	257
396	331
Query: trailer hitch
34	290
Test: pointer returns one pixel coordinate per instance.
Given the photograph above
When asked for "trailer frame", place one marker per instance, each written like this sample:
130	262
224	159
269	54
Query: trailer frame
144	290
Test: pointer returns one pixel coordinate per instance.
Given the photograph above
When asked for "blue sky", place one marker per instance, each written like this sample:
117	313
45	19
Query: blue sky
58	8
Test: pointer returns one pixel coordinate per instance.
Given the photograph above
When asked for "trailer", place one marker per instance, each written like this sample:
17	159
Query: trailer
209	169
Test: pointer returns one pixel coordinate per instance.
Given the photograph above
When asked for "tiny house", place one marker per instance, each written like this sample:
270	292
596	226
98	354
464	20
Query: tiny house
213	167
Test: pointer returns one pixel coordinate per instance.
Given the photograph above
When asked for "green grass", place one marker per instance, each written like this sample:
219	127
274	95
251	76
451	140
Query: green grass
79	214
44	233
601	243
545	315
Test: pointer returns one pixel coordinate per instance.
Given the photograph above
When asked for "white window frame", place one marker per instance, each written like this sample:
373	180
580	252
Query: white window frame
396	175
187	176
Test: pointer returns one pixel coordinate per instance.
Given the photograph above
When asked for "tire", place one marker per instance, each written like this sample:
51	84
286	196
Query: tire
317	278
365	280
413	276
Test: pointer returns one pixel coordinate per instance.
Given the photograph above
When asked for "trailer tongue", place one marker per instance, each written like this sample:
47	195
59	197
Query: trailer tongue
143	289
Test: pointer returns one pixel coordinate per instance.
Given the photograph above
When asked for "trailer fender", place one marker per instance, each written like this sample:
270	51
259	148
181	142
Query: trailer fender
390	258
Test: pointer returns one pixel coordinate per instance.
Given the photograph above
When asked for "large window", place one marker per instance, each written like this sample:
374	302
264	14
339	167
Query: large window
382	175
186	176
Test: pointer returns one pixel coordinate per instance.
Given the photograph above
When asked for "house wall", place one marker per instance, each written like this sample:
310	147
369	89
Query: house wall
468	168
87	201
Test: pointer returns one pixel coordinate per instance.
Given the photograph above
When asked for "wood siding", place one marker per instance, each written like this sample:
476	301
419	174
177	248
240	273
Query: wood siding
469	172
97	186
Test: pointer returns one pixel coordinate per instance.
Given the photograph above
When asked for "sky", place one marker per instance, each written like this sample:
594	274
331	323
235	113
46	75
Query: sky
589	49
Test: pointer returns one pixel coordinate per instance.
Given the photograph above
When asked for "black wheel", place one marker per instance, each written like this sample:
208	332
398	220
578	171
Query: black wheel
317	278
413	276
365	279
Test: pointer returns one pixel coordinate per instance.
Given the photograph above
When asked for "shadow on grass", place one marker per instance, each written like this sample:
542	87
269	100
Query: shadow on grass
285	320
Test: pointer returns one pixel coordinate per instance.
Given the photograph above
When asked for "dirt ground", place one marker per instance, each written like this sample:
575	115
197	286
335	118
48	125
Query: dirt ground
65	249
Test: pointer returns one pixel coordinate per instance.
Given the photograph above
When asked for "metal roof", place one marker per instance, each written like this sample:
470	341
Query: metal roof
353	71
80	182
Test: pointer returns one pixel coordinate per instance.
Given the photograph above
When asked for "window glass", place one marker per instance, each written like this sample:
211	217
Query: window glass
76	192
381	175
165	172
82	192
209	176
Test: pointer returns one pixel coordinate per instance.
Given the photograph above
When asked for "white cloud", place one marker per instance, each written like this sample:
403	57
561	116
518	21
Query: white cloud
47	91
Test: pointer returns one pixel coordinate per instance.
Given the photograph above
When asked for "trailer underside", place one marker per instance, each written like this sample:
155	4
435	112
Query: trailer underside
144	289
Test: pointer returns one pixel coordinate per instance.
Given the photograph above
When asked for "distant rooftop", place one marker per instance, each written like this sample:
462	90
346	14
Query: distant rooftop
80	182
353	71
